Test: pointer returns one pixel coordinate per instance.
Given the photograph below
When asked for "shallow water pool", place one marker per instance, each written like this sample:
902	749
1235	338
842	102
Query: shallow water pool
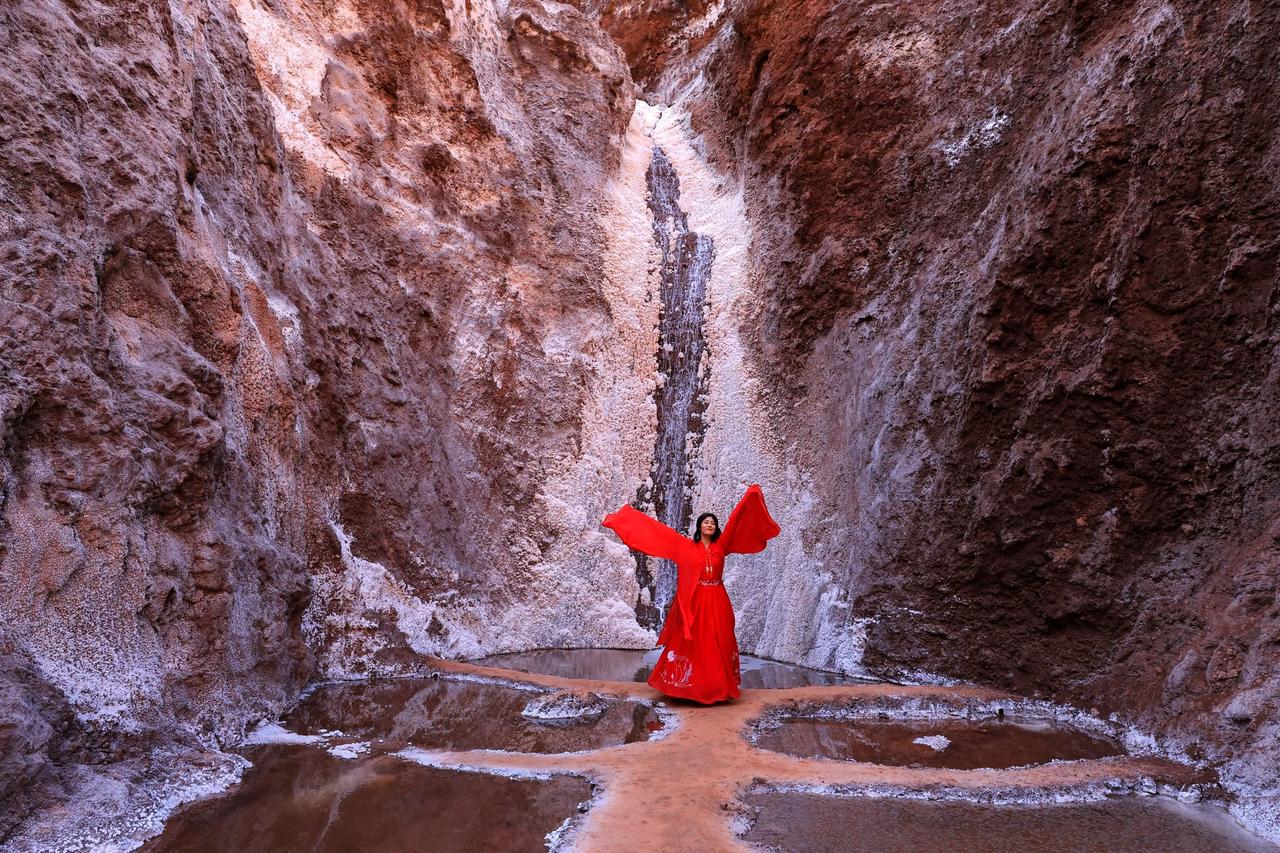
636	664
955	744
810	823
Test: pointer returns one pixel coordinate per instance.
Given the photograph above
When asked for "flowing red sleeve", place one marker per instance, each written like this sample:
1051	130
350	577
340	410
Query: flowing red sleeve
749	526
646	534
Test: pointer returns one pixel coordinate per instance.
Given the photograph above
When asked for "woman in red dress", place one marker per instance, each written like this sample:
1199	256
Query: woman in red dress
700	659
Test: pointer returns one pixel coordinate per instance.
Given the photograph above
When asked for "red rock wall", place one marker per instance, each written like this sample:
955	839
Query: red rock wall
301	300
1022	259
248	312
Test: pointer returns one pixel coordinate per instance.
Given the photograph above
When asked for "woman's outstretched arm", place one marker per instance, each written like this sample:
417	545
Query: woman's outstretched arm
646	534
749	526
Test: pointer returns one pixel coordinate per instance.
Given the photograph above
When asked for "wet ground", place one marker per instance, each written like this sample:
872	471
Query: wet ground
301	798
456	763
958	744
800	823
636	664
447	714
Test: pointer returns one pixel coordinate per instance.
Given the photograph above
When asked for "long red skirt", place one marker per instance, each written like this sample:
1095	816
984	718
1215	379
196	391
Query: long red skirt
705	667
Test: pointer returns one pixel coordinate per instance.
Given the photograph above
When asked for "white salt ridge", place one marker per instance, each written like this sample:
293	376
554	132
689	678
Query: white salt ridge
564	706
557	838
1073	792
934	742
929	678
436	759
492	679
350	750
561	839
274	733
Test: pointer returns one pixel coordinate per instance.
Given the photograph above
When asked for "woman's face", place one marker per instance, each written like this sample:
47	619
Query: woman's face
708	526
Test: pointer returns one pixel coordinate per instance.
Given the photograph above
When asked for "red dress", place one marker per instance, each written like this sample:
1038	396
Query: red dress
700	659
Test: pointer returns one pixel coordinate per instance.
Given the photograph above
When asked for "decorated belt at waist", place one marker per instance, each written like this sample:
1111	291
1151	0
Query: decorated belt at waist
709	583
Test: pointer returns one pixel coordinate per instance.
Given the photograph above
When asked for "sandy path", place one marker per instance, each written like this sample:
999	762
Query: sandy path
679	792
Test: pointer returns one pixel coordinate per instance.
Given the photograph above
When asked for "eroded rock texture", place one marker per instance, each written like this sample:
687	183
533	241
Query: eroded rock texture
299	308
328	334
1018	315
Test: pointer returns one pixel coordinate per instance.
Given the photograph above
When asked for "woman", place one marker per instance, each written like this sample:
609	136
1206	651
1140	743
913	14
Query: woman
700	661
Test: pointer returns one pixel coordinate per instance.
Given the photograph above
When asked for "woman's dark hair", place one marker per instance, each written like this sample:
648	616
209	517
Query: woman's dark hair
697	528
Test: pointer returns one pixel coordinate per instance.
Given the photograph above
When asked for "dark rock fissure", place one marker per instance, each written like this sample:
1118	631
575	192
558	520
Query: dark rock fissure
681	393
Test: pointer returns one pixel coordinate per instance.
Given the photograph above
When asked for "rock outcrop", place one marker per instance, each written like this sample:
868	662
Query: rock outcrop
302	308
1015	269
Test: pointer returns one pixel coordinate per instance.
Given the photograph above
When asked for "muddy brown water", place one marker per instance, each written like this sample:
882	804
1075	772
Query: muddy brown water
447	714
300	798
973	743
636	664
809	823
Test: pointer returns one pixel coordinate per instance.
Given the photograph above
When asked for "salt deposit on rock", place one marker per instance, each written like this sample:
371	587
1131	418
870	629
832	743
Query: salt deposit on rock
565	704
934	742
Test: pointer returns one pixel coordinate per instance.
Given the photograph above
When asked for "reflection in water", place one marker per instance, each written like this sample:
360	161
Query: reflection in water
985	743
300	798
445	714
799	823
636	664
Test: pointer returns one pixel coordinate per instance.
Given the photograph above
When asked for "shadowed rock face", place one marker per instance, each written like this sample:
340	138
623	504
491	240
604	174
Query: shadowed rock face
1017	271
680	398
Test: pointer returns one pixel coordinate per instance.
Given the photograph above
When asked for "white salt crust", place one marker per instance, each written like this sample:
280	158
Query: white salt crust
116	814
935	742
274	733
350	750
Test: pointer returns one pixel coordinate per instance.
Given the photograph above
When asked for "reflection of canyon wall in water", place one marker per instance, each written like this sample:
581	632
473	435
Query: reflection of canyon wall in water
329	336
682	372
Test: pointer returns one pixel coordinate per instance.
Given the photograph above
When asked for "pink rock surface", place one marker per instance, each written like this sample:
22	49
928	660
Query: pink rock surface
276	284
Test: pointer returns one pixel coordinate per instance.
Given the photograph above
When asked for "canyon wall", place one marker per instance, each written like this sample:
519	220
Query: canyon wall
1013	277
306	312
329	333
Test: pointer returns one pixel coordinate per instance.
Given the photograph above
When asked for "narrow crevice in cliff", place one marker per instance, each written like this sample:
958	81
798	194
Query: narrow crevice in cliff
682	376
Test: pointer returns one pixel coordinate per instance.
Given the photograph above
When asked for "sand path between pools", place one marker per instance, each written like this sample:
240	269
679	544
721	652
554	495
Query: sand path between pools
679	792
